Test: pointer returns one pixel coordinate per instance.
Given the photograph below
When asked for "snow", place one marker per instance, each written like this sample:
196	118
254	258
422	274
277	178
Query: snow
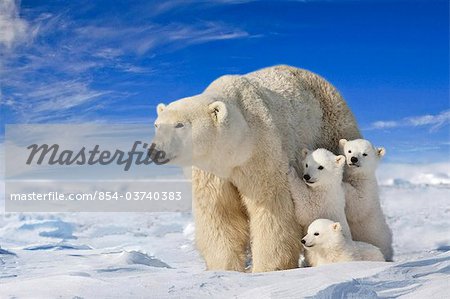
123	255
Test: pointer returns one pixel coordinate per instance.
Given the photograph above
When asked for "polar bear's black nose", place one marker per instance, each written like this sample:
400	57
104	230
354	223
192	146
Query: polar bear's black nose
354	159
303	241
306	177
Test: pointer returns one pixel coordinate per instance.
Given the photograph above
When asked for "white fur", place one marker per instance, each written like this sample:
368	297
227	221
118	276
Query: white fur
240	135
363	209
322	196
328	244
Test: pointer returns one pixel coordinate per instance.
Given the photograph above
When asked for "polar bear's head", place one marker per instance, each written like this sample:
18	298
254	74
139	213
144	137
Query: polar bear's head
322	234
203	131
321	167
361	155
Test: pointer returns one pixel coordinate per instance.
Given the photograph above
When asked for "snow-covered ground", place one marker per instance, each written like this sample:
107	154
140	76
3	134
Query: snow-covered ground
145	255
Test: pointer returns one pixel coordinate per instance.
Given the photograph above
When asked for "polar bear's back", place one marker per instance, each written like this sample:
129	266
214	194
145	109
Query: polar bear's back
293	83
297	106
306	90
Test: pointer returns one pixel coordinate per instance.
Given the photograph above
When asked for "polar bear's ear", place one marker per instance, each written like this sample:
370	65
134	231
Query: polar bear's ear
336	227
218	111
303	153
340	160
381	152
342	143
160	108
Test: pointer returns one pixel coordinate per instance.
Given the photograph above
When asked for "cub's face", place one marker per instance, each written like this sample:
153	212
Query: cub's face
361	155
322	233
201	132
321	167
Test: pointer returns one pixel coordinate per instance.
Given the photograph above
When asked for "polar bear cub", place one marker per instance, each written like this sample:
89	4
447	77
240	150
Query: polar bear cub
363	209
320	193
328	243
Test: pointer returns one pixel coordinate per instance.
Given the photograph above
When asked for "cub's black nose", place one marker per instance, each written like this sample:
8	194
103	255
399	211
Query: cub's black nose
306	177
303	241
354	160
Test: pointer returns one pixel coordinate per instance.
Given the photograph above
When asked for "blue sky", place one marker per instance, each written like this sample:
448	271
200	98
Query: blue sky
111	61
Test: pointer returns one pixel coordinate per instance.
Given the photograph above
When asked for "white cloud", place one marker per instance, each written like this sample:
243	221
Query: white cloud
434	121
143	39
207	32
384	124
62	96
53	101
47	70
13	29
161	7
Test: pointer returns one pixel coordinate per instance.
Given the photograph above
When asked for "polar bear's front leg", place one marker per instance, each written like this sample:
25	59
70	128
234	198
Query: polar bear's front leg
274	232
221	222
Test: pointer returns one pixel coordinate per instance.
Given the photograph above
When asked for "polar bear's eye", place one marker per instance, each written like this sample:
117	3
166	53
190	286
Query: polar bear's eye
179	125
320	167
306	165
156	125
365	155
349	152
316	234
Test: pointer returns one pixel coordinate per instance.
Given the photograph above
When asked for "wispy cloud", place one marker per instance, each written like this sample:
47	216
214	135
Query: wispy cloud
161	7
50	58
62	95
142	39
13	29
433	121
53	101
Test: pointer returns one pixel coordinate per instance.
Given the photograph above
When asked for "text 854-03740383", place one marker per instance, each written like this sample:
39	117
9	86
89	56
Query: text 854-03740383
100	196
140	195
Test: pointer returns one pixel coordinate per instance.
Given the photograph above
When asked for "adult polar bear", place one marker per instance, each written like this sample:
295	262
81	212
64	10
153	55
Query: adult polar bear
244	131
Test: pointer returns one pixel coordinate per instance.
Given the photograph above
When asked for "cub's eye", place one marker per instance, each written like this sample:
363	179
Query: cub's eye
349	152
306	165
179	125
365	155
320	167
316	234
156	125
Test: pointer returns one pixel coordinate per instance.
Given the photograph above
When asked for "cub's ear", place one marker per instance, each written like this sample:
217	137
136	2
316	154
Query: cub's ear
160	108
340	160
218	111
381	152
336	227
342	143
303	153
